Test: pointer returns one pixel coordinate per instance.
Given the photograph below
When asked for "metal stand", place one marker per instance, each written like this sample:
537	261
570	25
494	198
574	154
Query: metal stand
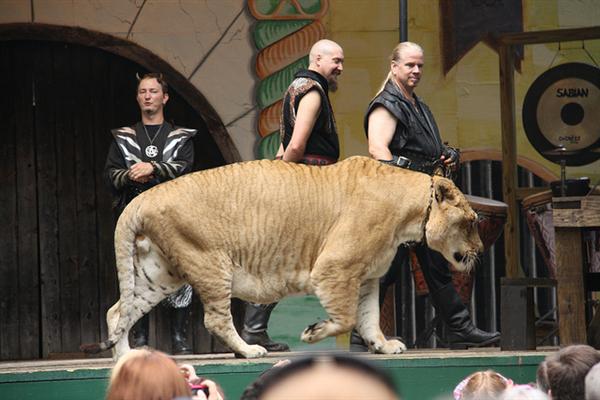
563	177
562	154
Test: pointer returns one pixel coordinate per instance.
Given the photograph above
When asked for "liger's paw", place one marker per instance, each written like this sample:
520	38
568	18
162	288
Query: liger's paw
253	351
313	332
392	346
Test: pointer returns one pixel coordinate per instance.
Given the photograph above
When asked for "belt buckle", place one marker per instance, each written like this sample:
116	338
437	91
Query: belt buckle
403	162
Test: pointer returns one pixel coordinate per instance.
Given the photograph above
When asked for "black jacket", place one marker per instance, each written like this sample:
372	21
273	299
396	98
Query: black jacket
175	157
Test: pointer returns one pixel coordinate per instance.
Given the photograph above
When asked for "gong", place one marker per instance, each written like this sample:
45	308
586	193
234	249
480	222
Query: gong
561	110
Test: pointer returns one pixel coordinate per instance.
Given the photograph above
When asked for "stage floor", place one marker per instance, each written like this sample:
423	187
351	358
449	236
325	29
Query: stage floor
200	360
420	374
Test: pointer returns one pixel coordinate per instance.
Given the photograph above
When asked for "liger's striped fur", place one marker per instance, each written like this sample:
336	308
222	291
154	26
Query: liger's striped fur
263	230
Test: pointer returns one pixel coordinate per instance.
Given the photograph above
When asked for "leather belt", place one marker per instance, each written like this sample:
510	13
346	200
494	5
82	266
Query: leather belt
427	167
314	159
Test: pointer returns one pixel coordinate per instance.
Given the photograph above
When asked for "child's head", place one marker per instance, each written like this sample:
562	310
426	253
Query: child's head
481	385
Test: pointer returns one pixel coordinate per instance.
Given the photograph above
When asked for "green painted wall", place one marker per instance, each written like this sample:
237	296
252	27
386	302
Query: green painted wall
417	378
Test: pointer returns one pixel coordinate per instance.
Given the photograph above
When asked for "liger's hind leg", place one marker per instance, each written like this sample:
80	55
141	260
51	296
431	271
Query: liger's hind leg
215	294
155	279
367	323
112	319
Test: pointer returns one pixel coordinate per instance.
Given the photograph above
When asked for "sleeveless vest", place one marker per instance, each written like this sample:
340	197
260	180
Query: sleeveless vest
417	134
323	140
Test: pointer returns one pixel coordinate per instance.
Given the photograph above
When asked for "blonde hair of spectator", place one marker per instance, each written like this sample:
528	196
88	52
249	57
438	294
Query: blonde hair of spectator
482	385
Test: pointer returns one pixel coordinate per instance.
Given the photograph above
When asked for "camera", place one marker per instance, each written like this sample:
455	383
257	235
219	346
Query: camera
200	387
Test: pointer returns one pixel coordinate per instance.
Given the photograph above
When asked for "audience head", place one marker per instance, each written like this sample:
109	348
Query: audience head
523	392
541	377
592	383
481	385
566	371
329	377
144	374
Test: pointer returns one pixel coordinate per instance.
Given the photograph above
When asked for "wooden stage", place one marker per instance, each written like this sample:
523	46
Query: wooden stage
420	374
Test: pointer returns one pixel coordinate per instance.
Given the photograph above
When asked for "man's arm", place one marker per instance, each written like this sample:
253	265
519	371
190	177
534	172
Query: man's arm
141	172
280	151
382	125
181	164
116	173
306	116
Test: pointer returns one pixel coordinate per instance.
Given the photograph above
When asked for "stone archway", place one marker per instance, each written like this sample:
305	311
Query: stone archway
140	55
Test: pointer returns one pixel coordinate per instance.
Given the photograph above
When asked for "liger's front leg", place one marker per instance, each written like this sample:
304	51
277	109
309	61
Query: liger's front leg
367	324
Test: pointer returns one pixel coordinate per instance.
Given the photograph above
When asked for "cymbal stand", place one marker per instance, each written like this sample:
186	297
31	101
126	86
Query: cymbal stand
563	177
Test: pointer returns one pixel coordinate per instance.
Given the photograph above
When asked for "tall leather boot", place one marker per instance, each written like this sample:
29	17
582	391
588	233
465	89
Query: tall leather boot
462	333
140	332
256	320
179	320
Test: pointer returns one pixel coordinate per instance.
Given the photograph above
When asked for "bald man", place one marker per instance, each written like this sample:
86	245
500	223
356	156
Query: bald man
311	137
308	135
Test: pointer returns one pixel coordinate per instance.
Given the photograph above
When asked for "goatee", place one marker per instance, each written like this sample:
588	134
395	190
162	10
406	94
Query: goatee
333	86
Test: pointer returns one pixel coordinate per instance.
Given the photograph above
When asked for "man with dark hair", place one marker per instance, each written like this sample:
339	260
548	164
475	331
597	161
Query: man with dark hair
566	370
308	135
541	377
140	157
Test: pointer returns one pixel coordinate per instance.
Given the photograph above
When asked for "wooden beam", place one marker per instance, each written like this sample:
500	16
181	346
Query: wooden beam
509	160
550	36
524	192
585	215
570	289
487	153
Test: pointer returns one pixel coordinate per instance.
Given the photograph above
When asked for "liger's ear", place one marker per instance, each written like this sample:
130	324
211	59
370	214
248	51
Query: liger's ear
444	190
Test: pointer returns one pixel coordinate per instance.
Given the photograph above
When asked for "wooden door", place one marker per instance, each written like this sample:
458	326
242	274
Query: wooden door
57	275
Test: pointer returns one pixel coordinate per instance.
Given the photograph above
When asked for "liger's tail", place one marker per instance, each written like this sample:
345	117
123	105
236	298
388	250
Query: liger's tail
128	226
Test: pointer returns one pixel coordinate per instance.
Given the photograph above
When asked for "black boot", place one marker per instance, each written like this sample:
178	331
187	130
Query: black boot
462	333
140	332
179	319
256	320
357	344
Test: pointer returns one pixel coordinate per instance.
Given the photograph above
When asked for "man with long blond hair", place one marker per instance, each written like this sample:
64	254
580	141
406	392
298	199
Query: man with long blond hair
402	132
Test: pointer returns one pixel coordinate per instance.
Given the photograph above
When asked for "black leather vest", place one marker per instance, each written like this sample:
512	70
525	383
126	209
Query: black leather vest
416	132
323	139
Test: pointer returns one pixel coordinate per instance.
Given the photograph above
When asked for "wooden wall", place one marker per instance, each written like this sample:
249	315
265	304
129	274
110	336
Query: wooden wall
57	275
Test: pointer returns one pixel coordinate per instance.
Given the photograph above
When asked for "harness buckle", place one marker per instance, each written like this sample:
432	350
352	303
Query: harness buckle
403	162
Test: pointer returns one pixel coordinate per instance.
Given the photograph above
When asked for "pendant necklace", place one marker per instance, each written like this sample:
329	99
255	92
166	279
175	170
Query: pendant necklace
151	150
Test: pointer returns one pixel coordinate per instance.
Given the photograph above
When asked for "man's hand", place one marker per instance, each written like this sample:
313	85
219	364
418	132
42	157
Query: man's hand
450	157
141	172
